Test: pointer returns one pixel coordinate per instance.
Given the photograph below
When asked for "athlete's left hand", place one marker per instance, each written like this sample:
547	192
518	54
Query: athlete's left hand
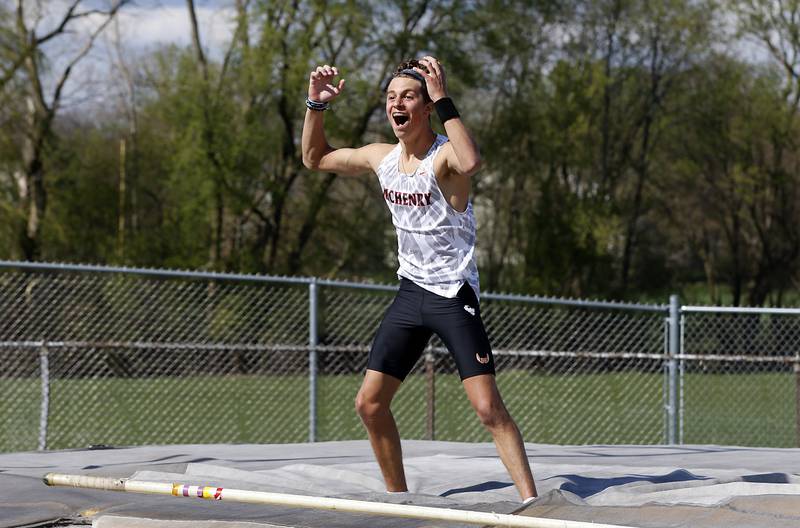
435	80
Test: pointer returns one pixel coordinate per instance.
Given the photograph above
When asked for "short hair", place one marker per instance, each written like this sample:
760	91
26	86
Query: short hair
406	69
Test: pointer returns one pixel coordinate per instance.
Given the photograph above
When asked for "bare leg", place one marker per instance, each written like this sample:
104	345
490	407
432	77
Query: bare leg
372	404
485	399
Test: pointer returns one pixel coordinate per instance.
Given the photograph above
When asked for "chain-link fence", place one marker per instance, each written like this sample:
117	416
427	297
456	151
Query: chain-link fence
94	355
740	376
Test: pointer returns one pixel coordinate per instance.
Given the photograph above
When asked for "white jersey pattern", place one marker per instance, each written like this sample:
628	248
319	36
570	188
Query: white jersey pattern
435	243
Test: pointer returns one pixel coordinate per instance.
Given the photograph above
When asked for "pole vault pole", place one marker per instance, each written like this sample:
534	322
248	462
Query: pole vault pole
320	503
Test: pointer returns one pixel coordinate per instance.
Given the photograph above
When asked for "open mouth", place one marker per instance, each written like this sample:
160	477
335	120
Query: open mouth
400	119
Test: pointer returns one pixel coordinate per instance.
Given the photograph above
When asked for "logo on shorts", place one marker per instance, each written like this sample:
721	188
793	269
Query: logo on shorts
469	309
482	360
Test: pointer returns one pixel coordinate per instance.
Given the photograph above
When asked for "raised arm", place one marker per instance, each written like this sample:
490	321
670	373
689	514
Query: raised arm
318	155
461	154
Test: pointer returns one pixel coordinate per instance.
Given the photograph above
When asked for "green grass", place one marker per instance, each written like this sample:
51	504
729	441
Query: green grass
19	414
741	409
698	293
619	407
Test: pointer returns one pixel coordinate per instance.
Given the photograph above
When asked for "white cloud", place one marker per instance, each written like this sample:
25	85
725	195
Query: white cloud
143	24
147	27
141	27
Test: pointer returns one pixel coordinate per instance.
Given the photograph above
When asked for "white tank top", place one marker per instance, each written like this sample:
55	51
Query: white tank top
435	243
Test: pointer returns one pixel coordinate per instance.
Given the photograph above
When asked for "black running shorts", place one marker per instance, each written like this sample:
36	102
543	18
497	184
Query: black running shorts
415	315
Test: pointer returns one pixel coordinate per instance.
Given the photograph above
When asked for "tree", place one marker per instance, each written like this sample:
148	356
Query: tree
723	196
42	102
233	128
773	204
581	150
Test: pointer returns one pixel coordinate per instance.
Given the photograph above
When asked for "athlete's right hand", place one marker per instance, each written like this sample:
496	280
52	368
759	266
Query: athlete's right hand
321	87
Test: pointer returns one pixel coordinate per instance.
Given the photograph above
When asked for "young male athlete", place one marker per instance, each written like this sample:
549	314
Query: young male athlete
425	179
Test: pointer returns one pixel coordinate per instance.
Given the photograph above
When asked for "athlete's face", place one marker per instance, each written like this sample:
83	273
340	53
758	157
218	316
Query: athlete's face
405	106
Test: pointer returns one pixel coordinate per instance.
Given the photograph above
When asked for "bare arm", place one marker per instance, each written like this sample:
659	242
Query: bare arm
318	155
461	156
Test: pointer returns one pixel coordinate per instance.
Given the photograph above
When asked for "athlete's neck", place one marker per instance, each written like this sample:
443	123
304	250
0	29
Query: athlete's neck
417	146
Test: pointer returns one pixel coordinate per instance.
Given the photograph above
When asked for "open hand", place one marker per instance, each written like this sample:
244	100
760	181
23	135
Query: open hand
435	80
321	85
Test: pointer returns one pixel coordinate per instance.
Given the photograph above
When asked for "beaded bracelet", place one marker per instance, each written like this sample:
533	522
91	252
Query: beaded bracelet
316	106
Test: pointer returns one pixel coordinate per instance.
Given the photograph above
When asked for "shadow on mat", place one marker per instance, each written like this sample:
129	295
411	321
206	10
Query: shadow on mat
177	459
587	486
661	451
483	486
768	478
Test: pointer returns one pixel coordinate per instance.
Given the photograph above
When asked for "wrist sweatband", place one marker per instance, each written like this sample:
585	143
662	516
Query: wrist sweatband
446	109
315	105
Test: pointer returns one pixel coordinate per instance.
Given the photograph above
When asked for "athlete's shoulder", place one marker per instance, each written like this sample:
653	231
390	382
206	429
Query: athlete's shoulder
440	146
442	150
376	152
379	148
381	153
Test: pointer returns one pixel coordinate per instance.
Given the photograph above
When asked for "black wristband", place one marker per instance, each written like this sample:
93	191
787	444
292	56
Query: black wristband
446	109
316	106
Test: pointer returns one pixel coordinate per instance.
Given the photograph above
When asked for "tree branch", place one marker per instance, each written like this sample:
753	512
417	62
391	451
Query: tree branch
65	75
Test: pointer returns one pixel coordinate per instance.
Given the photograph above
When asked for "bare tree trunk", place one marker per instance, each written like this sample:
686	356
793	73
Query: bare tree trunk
737	278
643	163
131	165
218	219
121	201
35	203
40	115
605	153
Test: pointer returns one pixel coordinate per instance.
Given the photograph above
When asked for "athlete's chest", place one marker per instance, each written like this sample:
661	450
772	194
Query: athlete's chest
417	190
410	189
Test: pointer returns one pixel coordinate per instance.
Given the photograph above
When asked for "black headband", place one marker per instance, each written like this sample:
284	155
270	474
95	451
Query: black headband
417	77
412	73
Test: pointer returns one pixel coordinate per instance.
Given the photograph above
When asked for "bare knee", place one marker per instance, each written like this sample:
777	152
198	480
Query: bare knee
493	414
370	409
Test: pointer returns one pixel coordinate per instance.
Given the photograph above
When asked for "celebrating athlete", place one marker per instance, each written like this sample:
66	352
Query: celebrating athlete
425	179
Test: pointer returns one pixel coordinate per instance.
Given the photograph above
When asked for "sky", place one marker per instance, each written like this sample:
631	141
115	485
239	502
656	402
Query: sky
143	22
148	23
141	27
145	25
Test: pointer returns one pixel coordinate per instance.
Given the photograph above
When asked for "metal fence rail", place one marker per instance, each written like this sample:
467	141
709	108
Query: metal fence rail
118	356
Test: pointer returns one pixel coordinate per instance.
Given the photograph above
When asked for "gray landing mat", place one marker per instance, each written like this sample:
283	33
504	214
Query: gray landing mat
647	486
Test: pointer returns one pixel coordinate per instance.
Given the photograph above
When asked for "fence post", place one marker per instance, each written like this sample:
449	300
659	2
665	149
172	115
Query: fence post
312	360
44	372
430	375
674	337
797	397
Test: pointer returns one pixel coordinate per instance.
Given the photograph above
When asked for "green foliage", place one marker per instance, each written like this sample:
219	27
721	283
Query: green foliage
79	224
629	151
